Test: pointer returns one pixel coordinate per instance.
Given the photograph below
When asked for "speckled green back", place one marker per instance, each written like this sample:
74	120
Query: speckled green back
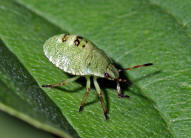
76	55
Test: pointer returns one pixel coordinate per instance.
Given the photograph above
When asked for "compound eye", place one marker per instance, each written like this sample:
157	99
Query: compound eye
106	75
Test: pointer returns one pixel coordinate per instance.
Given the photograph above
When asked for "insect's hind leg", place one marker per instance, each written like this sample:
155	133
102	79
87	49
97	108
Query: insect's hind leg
86	93
98	90
61	83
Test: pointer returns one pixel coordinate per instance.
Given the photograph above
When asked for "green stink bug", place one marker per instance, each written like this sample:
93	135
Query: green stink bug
77	56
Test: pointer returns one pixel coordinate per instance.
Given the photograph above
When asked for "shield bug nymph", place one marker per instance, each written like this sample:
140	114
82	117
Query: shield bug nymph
78	56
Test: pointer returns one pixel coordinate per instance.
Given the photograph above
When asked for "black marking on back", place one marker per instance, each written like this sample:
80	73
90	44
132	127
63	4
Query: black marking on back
77	41
79	37
64	38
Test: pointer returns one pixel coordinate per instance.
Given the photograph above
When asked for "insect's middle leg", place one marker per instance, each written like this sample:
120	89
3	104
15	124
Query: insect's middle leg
98	90
86	94
61	83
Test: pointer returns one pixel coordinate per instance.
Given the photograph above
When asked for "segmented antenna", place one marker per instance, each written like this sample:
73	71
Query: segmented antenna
138	66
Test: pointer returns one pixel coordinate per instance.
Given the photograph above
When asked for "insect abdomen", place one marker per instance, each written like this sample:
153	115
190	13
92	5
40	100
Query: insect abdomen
76	55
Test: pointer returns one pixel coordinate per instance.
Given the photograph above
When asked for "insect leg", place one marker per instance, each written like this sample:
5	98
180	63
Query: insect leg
98	90
119	91
61	83
86	94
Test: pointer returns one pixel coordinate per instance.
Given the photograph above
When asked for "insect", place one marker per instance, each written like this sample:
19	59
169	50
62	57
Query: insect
78	56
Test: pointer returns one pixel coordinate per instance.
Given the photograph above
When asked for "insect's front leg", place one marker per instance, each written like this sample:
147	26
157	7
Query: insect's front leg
61	83
120	95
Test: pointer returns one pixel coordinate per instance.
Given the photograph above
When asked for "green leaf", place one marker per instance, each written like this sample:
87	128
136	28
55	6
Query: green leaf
21	96
19	129
180	10
130	32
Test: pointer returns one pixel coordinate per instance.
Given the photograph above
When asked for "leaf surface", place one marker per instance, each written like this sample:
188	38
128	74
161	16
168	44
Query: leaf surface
130	32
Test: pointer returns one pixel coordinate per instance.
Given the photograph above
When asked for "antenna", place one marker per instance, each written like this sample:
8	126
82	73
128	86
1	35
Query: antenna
137	66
